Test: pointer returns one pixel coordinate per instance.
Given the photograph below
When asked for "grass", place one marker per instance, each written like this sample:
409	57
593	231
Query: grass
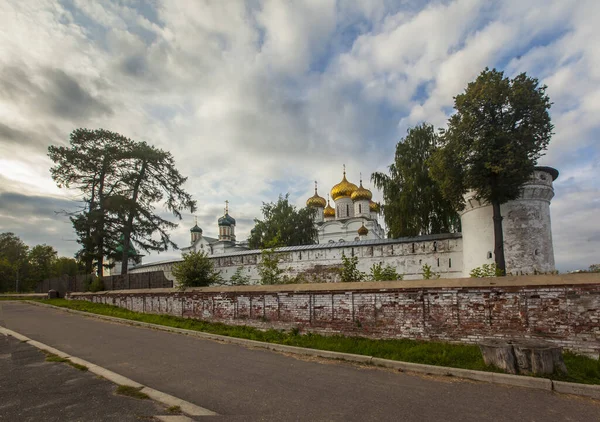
51	357
174	409
129	391
581	368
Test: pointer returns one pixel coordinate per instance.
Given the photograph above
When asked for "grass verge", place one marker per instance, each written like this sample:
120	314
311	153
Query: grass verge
176	410
581	368
51	357
127	390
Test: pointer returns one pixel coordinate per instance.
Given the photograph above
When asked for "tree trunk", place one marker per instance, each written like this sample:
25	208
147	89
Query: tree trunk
498	238
500	354
523	356
129	224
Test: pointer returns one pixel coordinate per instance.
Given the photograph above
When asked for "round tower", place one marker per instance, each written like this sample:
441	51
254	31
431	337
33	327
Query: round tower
341	193
526	227
317	203
361	198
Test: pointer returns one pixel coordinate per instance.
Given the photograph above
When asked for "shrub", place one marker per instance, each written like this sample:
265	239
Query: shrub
387	273
268	267
196	270
349	271
97	285
239	279
486	270
428	274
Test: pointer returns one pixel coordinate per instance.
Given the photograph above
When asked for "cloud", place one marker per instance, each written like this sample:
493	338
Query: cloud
260	98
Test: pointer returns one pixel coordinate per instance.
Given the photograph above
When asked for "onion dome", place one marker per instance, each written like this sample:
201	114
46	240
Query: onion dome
315	201
374	207
361	193
196	229
226	220
343	189
329	211
363	231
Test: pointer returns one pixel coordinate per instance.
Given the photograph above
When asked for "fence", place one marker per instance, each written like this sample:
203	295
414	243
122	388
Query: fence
65	283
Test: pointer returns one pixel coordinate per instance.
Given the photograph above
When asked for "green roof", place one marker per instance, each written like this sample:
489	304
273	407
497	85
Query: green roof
196	229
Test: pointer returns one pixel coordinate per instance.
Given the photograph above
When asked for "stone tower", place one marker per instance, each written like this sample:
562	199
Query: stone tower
526	227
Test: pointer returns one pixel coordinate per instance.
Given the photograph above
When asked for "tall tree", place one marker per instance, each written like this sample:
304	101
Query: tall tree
152	178
283	225
500	129
42	259
413	202
93	163
13	262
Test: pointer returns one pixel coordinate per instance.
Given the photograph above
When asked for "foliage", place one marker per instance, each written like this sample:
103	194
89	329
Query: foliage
349	271
239	279
413	202
594	268
283	225
196	270
428	274
500	129
121	181
581	369
97	285
67	266
387	273
268	267
13	262
486	270
42	260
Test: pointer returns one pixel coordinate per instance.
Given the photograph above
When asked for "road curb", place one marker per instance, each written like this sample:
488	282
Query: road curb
587	390
163	398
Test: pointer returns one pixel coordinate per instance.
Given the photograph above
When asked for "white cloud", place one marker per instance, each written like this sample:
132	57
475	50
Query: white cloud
260	98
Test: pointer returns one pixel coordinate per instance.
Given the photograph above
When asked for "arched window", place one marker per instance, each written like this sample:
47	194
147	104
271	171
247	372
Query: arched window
347	210
359	208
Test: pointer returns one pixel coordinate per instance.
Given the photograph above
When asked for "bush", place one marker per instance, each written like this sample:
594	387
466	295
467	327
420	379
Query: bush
486	270
97	285
268	267
387	273
196	270
239	279
349	271
428	274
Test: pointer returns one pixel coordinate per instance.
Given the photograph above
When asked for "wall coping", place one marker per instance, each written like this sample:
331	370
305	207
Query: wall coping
452	283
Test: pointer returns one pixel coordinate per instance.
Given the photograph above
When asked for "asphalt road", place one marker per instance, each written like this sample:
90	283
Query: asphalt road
251	384
32	389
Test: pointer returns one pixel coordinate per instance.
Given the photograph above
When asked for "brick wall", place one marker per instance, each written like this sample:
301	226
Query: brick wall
561	309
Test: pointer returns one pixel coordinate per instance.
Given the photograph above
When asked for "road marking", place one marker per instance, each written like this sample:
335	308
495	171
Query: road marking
164	398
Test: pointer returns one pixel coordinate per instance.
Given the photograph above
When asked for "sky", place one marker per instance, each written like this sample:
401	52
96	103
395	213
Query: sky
260	98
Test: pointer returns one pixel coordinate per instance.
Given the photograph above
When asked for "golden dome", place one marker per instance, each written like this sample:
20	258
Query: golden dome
363	231
374	206
343	189
329	210
315	201
361	193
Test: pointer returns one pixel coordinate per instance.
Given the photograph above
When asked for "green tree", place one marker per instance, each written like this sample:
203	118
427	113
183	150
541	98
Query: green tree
42	260
387	273
239	278
67	266
268	267
152	178
413	202
500	129
283	225
13	262
93	163
349	271
196	270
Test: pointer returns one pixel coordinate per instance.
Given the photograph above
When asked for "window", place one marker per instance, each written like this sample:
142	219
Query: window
347	210
489	255
300	255
435	247
438	262
413	248
359	208
449	262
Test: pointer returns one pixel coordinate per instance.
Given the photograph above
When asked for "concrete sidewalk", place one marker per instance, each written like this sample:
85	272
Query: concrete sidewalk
249	384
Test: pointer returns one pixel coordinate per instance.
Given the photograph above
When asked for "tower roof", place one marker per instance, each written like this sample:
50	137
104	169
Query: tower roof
343	189
315	201
361	194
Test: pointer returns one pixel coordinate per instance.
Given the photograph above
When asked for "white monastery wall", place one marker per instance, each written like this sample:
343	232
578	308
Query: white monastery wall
443	253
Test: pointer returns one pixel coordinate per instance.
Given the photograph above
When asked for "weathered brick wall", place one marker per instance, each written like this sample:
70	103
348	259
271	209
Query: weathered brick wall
561	309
